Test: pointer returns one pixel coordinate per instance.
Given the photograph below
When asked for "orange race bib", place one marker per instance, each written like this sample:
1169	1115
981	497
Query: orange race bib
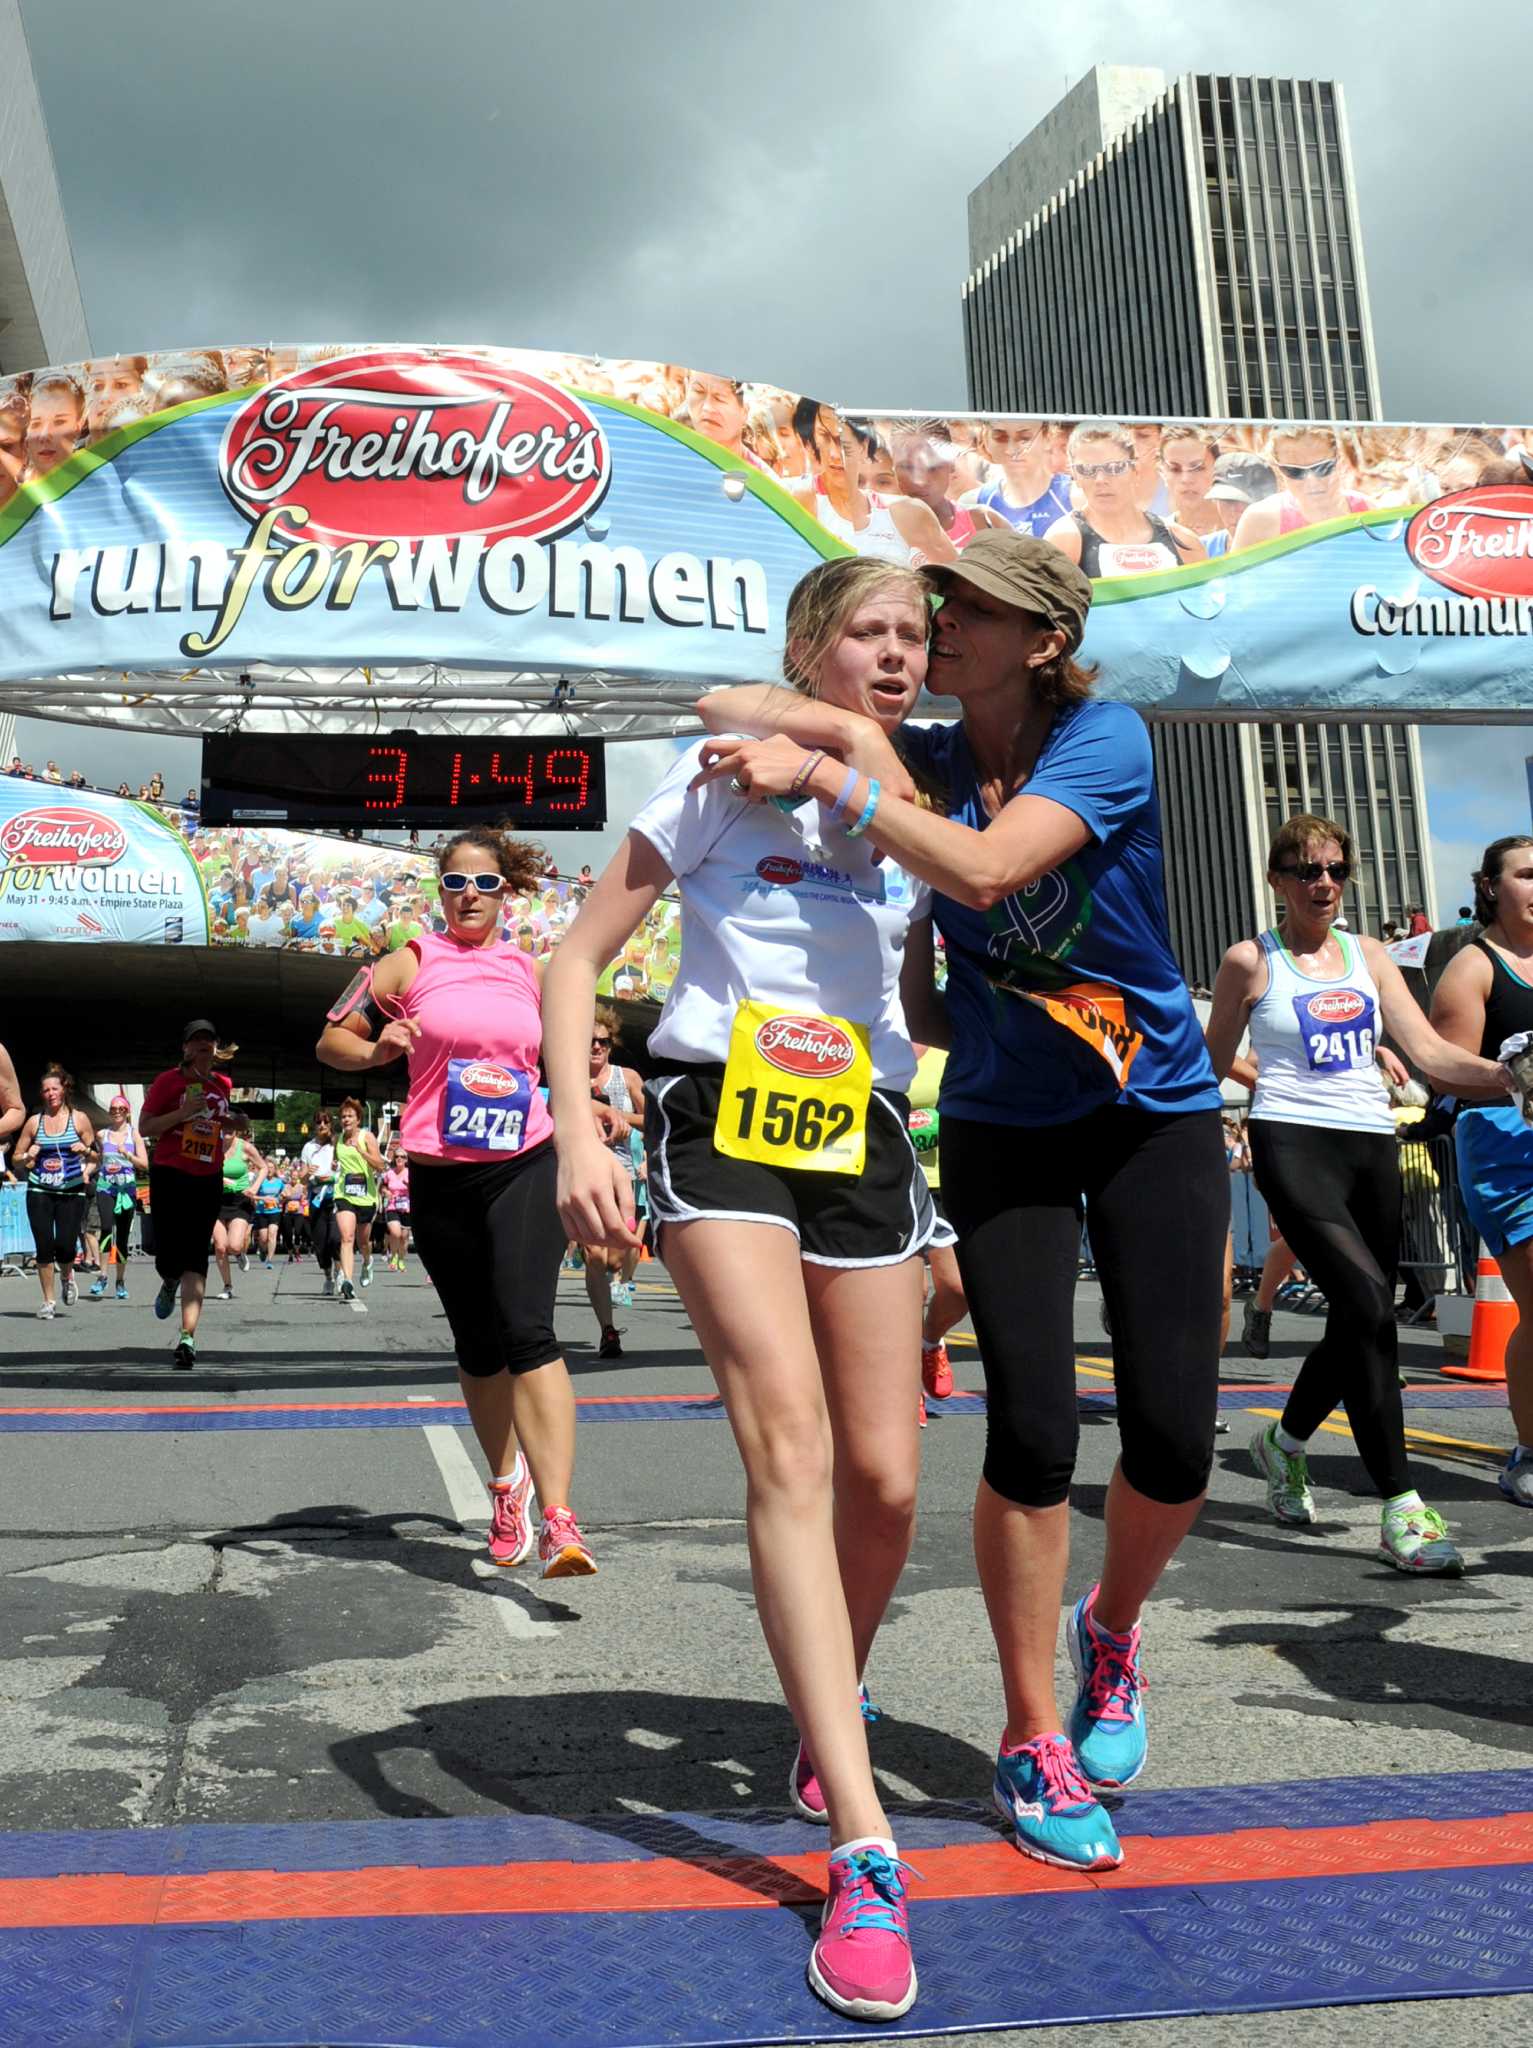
796	1091
1098	1016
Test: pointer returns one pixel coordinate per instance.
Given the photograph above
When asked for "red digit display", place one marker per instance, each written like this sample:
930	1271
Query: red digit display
396	775
401	779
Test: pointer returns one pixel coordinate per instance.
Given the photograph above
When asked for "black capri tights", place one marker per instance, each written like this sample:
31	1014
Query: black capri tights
55	1220
114	1225
1336	1197
490	1238
1157	1192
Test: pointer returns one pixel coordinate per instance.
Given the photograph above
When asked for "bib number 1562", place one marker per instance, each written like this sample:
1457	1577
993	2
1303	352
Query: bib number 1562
800	1122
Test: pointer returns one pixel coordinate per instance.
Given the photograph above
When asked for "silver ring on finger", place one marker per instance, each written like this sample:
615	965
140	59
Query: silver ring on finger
737	786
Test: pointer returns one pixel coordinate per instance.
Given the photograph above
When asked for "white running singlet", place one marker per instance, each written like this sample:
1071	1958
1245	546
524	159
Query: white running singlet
1314	1038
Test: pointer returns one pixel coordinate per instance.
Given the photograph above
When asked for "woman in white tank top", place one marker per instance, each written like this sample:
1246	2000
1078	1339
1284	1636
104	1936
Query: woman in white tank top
1325	1157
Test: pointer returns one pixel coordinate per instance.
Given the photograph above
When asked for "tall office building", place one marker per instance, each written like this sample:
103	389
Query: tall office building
1192	247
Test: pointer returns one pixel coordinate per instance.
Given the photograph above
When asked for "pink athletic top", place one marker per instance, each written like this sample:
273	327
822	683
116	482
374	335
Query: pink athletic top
396	1187
474	1069
1290	518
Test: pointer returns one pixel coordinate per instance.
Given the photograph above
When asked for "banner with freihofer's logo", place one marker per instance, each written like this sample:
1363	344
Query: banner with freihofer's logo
336	508
95	868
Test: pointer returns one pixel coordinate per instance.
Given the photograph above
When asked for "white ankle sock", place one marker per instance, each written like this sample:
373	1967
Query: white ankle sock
515	1476
1293	1446
865	1842
1404	1503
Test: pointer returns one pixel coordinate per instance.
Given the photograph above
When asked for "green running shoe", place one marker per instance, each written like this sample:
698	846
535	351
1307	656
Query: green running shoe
1287	1477
1417	1540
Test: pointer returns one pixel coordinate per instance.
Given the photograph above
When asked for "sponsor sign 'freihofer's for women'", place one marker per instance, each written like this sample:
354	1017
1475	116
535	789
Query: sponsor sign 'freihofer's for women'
517	511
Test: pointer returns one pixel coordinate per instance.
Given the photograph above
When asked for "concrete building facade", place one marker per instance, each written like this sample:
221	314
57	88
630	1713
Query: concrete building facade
1191	248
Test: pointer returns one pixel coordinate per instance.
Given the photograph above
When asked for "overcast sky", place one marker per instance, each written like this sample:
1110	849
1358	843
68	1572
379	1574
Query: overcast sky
773	190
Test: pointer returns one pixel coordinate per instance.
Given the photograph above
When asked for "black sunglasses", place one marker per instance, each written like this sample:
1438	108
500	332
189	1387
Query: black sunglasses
1297	471
1312	870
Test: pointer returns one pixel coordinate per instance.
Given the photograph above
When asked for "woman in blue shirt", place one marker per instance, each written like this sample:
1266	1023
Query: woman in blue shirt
1077	1077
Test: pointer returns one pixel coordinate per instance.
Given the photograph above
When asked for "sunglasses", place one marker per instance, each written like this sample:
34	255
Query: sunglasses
1297	471
1092	470
487	885
1312	870
603	1043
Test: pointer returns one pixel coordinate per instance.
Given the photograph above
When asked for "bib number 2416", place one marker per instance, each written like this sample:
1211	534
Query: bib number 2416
796	1090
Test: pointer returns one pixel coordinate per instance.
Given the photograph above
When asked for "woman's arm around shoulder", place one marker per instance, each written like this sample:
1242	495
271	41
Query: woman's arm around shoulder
1240	982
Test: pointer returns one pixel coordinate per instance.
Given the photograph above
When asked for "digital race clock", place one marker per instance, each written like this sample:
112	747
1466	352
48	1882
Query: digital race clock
384	780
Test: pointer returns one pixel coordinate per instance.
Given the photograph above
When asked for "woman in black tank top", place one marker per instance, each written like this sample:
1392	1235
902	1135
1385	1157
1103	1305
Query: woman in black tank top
1484	997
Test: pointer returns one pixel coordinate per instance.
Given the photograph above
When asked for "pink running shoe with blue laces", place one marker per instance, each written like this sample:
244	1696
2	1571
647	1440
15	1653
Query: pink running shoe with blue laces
804	1793
861	1965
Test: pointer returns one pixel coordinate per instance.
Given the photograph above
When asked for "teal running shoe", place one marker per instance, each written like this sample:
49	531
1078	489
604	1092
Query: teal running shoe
1107	1721
165	1300
1040	1790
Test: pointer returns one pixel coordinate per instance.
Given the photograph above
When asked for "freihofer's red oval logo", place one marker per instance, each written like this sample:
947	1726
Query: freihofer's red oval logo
806	1045
483	1078
401	444
781	868
1337	1006
1478	542
56	835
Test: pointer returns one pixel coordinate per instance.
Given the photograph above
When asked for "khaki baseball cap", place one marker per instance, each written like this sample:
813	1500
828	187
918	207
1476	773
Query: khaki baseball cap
1028	573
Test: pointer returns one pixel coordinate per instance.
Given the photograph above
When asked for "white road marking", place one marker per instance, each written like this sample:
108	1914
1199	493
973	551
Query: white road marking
470	1505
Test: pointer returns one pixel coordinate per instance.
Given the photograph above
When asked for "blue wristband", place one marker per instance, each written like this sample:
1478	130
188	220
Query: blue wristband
838	808
856	831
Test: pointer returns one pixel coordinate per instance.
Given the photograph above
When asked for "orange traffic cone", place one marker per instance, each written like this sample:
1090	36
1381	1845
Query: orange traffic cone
1495	1318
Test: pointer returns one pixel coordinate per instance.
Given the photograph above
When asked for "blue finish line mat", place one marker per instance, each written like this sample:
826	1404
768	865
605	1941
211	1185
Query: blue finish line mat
619	1931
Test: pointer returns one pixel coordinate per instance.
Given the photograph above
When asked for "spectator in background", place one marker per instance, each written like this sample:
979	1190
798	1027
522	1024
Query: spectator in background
266	927
76	780
1466	918
349	928
1112	535
306	923
716	407
1419	923
1317	479
1239	480
1187	459
14	409
924	470
51	773
110	382
842	450
123	790
16	767
55	421
1031	494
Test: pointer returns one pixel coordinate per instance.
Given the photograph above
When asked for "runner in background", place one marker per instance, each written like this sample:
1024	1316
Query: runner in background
396	1205
316	1169
609	1270
269	1194
182	1120
466	1011
1485	997
358	1163
123	1159
1325	1156
292	1233
243	1167
791	1212
57	1147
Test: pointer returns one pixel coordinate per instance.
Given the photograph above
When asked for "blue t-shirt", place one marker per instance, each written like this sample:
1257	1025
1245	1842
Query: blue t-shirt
1066	996
1036	517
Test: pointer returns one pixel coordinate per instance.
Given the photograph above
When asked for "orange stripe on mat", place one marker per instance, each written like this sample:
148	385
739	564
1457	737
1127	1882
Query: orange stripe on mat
968	1870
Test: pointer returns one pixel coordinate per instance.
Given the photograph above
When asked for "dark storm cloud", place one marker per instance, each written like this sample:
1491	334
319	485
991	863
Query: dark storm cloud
776	190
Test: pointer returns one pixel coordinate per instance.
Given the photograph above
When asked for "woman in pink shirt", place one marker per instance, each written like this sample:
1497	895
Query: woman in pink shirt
466	1012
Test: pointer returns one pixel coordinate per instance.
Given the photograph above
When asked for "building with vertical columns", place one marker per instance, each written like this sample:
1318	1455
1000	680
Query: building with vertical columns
1191	247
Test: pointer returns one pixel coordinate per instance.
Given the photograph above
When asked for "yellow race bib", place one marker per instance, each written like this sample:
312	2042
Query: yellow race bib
796	1089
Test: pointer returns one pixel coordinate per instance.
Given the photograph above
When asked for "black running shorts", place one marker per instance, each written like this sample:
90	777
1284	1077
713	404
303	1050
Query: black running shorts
879	1217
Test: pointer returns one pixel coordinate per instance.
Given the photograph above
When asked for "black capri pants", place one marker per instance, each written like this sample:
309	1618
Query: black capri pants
184	1207
490	1237
55	1215
1156	1189
114	1225
324	1232
1337	1199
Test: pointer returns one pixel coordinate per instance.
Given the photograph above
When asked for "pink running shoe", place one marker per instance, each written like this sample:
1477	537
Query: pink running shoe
511	1532
562	1548
861	1965
804	1789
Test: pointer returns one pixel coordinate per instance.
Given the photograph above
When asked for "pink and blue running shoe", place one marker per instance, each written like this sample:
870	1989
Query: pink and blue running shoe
861	1964
1107	1720
1040	1790
804	1794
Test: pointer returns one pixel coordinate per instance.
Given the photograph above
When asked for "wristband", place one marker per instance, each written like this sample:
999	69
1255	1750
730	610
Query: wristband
811	762
856	831
838	809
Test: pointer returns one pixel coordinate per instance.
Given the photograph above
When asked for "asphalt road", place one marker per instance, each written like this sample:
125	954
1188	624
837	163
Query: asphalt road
281	1624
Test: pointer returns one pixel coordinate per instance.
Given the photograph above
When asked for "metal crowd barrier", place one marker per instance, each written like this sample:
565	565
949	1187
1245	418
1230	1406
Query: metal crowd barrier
1436	1243
15	1233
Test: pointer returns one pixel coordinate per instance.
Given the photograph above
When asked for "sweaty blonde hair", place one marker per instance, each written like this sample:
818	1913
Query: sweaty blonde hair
824	602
